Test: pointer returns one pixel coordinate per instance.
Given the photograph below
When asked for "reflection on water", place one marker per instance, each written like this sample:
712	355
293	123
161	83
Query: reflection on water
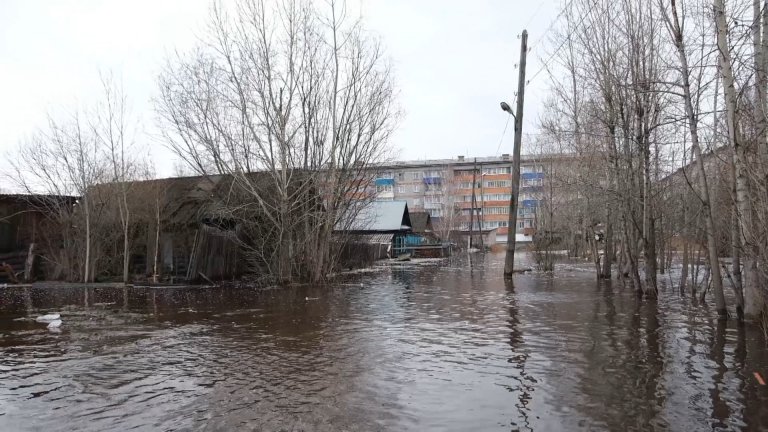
446	345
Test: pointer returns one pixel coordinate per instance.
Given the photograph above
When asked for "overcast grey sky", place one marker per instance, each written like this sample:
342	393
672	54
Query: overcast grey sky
453	60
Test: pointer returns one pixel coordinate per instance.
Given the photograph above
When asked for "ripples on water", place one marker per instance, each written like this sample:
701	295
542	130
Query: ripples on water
442	346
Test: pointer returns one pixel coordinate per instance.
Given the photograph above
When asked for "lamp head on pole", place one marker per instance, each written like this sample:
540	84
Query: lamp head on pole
505	107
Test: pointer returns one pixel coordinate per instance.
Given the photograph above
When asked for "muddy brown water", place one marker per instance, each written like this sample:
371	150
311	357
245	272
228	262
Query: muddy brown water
444	345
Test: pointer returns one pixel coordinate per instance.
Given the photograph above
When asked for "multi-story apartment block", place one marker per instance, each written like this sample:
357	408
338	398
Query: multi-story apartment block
444	188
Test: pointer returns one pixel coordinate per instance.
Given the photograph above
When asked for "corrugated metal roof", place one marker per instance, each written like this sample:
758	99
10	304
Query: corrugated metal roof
382	216
373	238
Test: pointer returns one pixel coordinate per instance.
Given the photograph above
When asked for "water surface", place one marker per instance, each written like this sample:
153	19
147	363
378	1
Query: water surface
444	345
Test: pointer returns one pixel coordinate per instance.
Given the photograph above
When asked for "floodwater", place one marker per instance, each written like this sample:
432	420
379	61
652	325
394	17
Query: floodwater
444	345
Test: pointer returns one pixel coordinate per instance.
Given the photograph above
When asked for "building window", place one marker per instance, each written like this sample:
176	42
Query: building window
435	212
385	175
432	174
495	224
496	210
416	188
401	189
526	169
415	175
497	170
532	182
521	224
526	211
496	197
498	183
433	187
384	188
465	185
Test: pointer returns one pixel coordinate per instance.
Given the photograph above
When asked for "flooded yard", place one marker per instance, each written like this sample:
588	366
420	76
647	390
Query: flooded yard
437	345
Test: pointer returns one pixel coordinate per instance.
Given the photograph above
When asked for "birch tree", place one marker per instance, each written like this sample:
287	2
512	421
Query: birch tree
753	299
675	26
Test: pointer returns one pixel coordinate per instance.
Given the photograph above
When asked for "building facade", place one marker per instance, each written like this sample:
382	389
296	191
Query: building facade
458	191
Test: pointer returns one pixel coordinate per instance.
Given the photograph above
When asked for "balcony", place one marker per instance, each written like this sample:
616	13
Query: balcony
432	180
531	176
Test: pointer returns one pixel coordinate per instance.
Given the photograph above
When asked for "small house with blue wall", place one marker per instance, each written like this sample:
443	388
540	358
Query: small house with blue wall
385	223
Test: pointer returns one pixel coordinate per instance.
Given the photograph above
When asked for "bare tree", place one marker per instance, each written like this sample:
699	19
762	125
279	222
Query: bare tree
64	159
676	29
110	127
753	300
303	97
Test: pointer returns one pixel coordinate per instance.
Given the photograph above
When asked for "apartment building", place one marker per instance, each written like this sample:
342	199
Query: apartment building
444	188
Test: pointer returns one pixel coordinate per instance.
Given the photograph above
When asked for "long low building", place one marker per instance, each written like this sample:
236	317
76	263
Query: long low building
444	188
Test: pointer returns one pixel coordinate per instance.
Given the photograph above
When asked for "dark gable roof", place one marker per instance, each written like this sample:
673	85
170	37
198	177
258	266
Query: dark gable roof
187	200
421	222
35	198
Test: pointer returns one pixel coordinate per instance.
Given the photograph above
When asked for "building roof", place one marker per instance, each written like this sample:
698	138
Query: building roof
35	198
421	221
469	161
195	199
382	216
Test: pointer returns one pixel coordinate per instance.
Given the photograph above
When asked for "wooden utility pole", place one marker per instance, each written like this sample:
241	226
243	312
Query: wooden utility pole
472	204
480	217
509	262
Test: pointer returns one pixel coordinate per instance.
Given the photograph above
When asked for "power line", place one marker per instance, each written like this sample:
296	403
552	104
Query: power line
562	44
534	14
551	25
502	135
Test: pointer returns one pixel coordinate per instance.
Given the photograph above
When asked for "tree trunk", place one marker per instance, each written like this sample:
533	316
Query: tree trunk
608	255
753	296
29	263
661	251
649	227
155	272
649	253
686	250
87	267
760	19
738	288
704	190
126	253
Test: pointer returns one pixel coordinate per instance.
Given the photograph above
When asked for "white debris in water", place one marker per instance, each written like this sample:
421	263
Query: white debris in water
48	318
54	324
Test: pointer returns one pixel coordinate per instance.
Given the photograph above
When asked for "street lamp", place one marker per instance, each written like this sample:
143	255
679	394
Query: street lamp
509	263
505	107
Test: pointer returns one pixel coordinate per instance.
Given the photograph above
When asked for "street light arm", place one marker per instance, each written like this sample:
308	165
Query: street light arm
505	107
